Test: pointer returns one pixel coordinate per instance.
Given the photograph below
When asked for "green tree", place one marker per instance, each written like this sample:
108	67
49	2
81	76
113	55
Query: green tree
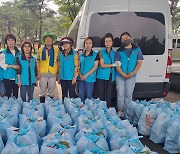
68	9
175	14
38	9
7	18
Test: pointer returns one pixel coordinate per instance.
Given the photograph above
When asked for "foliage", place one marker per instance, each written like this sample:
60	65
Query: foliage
31	18
175	13
69	10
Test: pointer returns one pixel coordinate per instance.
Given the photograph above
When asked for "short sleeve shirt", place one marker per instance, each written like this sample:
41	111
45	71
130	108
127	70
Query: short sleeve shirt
128	52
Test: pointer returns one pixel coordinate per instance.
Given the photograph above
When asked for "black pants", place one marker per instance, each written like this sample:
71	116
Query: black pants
67	86
11	89
103	90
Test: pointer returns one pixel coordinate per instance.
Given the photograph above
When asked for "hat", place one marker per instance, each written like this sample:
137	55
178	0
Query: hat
67	39
48	34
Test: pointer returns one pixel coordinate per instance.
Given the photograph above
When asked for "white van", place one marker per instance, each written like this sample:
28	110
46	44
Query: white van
149	23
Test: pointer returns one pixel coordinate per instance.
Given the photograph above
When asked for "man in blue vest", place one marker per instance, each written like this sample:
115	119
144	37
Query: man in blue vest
131	58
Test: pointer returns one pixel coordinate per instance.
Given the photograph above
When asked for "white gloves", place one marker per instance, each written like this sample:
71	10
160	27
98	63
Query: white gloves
117	63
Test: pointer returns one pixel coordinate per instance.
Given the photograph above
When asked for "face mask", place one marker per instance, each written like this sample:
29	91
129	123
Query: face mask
125	43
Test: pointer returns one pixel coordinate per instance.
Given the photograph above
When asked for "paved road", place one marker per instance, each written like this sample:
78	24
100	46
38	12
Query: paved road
173	95
57	94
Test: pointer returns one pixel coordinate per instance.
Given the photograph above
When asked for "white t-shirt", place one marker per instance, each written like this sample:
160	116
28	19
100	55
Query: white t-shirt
13	52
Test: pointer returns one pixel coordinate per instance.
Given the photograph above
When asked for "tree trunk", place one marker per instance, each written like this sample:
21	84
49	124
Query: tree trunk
40	26
9	26
19	31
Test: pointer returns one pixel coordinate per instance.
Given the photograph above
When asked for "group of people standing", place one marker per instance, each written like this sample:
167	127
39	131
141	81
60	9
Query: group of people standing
94	72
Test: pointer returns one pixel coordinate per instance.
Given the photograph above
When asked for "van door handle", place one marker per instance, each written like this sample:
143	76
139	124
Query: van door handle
157	60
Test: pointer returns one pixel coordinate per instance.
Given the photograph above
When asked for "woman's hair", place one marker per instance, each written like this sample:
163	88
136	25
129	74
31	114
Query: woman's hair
24	43
125	33
108	35
9	36
89	38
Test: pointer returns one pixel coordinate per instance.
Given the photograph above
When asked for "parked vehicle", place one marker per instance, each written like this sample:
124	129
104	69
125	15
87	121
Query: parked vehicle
148	21
176	47
175	68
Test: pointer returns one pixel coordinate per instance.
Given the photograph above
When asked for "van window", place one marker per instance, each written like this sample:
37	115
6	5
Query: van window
173	43
74	32
147	29
178	43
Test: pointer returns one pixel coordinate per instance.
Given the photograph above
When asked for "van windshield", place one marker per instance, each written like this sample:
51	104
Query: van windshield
146	28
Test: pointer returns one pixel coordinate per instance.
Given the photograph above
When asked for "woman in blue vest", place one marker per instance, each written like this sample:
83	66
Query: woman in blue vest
89	60
10	67
2	61
106	71
69	68
131	58
28	71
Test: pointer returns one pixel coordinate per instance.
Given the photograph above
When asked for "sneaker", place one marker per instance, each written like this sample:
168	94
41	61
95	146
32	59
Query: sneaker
120	114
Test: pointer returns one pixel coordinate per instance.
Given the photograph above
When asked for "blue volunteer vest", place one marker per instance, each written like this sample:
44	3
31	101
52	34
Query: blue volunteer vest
25	70
1	74
128	64
10	73
104	73
86	64
67	66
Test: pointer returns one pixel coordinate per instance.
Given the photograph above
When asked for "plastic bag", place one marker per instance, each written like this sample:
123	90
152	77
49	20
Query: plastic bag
30	109
22	136
90	141
63	127
138	112
159	129
51	119
37	123
123	150
50	150
130	111
1	145
57	146
14	149
171	140
146	121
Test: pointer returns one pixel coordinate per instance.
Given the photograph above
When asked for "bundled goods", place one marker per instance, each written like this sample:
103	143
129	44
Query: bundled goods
23	135
12	148
58	118
67	127
20	140
130	111
159	129
147	119
32	109
172	136
62	127
1	144
60	142
39	124
158	119
92	139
